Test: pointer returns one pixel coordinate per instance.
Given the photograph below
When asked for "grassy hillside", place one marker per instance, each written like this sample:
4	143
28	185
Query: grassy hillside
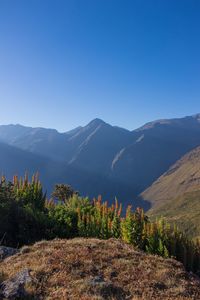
176	194
182	177
184	211
93	269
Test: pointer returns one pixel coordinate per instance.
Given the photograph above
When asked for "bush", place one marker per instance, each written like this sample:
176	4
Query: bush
62	222
22	211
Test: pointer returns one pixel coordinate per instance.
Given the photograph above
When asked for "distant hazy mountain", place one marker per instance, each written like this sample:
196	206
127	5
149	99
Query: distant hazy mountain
46	142
119	161
14	161
91	147
176	194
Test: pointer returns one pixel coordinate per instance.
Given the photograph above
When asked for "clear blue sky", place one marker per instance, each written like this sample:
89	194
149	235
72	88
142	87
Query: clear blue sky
65	62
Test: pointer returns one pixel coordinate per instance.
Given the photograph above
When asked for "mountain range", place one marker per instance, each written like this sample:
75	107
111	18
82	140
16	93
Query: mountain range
99	158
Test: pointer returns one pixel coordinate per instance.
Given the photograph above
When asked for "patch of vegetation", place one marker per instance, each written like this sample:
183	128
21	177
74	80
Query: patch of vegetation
27	216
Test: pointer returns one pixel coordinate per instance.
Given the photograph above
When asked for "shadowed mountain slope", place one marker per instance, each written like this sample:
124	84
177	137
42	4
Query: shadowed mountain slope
14	161
157	146
97	144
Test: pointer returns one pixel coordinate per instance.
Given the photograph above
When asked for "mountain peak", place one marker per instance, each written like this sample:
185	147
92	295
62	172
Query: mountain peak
97	122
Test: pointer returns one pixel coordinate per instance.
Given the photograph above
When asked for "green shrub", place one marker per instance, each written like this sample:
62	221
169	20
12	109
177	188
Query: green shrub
62	222
27	216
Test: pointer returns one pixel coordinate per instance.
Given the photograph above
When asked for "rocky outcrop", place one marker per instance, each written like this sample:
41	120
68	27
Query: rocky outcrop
14	288
7	251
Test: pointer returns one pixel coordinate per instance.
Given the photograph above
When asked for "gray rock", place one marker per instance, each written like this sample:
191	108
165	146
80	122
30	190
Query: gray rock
97	281
6	252
14	288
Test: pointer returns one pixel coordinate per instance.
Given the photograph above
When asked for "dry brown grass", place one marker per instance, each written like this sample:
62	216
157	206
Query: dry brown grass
175	195
181	178
92	269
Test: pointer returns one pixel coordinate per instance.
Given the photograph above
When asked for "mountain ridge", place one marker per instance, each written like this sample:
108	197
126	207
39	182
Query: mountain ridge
135	159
